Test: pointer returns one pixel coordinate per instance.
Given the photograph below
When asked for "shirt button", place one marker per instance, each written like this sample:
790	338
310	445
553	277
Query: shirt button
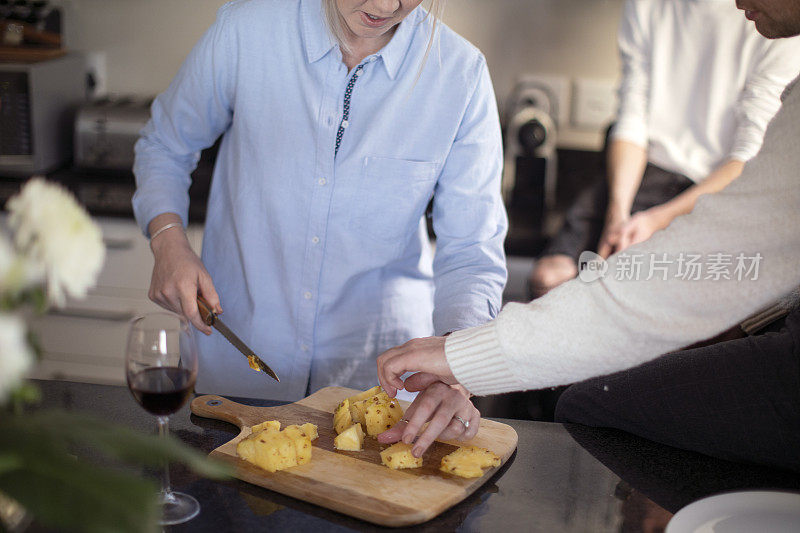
315	240
345	123
307	295
322	181
358	72
304	347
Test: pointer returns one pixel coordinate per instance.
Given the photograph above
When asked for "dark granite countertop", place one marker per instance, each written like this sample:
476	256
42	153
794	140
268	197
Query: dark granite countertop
555	482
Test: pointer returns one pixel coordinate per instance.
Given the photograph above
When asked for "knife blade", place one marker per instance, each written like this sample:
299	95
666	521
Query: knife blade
211	319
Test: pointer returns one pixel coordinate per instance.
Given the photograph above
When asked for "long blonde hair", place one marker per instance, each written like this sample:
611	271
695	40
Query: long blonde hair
435	9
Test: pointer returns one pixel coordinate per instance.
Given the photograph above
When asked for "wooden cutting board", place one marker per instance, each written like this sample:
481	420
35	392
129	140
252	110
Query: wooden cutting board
354	483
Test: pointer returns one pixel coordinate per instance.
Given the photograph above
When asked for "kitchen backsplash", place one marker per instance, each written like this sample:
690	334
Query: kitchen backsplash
144	41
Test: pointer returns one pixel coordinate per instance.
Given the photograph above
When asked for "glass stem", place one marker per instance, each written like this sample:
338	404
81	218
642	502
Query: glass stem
166	490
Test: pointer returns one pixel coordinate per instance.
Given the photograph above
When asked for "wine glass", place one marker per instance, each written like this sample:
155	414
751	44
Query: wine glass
161	369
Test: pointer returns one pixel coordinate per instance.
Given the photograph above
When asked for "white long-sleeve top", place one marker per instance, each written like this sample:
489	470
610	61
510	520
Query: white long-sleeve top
585	329
699	83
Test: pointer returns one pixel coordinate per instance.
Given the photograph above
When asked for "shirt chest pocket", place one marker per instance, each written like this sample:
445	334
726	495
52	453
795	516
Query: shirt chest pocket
391	197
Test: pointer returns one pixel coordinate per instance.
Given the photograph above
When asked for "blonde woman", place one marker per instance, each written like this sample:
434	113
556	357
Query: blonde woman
341	119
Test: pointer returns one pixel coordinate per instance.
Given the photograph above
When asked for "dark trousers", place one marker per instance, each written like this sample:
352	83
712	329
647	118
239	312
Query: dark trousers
737	400
585	219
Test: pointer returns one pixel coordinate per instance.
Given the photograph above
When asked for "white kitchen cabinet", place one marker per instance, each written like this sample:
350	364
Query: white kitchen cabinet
85	341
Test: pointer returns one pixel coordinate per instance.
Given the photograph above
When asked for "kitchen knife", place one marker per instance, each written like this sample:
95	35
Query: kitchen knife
211	319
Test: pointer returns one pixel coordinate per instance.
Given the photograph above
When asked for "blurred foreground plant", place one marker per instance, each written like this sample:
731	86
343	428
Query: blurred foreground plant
56	250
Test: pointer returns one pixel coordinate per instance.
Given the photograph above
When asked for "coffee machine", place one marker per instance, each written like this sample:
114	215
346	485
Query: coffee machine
530	173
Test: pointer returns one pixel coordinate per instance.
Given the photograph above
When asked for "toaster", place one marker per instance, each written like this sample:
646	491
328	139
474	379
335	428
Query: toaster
106	130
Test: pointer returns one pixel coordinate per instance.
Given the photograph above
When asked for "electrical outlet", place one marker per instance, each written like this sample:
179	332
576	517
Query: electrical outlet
557	89
96	66
594	103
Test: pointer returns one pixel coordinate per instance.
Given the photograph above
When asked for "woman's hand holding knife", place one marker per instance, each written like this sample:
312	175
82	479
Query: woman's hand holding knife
443	402
178	274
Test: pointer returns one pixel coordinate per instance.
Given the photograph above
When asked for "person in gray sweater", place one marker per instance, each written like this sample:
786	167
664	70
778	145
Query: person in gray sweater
735	253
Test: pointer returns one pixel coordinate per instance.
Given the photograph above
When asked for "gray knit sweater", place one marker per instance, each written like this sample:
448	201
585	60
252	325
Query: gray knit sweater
585	329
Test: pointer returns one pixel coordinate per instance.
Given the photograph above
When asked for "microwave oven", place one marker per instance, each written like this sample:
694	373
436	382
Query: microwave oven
37	109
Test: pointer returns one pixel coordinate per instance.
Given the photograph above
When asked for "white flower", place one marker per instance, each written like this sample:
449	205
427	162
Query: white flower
15	354
53	229
17	272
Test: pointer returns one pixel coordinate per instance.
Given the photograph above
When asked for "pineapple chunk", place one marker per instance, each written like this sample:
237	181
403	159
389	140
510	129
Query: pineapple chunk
310	430
372	409
342	419
302	442
381	397
273	425
350	440
357	410
399	456
270	450
307	430
469	461
381	416
366	394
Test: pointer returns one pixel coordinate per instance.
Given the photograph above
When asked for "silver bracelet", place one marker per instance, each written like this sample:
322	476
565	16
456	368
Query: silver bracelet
165	228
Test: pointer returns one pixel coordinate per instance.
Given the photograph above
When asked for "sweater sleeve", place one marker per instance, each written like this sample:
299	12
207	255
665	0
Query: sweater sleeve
586	329
772	69
634	51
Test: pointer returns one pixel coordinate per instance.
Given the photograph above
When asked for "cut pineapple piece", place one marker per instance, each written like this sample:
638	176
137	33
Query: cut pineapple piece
381	416
350	440
302	442
469	461
310	430
372	409
399	456
366	394
273	425
270	450
357	410
381	397
341	417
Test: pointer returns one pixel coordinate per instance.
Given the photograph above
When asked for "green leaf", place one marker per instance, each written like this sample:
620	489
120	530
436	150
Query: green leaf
36	346
26	393
38	298
121	442
68	494
9	461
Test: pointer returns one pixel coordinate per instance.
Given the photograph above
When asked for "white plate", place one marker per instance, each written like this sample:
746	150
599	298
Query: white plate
740	512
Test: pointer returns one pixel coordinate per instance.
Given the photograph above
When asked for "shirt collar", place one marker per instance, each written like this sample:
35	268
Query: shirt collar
394	53
319	40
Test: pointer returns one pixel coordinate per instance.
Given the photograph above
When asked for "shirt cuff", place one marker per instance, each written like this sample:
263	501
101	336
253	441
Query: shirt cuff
477	361
630	131
148	205
744	151
474	311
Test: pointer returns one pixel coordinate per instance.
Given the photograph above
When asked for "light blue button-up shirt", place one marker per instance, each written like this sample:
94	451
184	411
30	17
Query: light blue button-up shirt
322	261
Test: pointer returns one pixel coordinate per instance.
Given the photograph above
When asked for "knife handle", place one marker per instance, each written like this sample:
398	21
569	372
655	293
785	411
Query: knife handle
206	313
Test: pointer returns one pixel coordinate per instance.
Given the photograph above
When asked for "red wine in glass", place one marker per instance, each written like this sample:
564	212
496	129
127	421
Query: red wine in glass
161	369
162	390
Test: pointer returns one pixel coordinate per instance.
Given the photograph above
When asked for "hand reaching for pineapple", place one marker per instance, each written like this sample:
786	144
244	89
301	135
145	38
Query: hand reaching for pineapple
447	408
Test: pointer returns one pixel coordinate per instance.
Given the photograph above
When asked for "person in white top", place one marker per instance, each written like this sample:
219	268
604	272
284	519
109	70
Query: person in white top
699	86
738	400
